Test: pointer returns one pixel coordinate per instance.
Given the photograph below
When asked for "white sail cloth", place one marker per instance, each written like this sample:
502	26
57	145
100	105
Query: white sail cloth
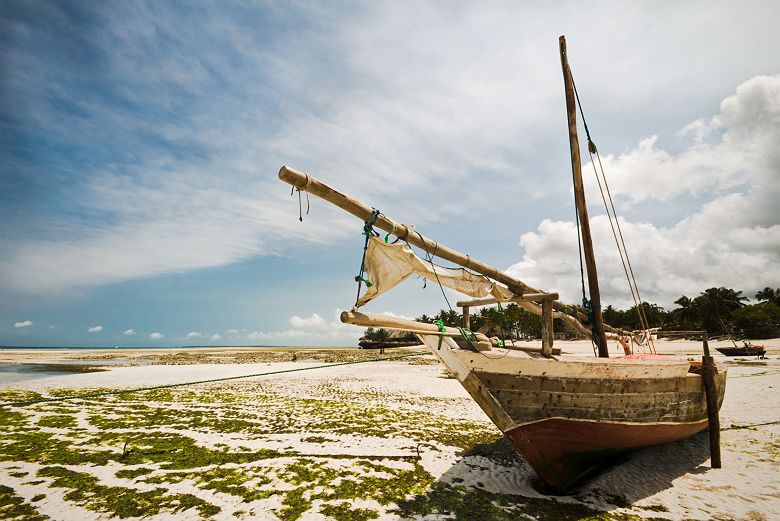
386	265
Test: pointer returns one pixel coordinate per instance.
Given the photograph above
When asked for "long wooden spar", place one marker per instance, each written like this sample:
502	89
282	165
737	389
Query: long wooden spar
306	183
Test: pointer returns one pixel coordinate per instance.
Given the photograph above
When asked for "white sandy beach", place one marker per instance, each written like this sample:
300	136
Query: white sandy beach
367	423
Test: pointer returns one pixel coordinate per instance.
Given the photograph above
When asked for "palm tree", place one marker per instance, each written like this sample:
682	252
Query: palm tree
772	295
716	305
686	316
450	317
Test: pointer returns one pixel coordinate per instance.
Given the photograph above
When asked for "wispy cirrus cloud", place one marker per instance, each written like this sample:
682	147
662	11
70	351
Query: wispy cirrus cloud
164	127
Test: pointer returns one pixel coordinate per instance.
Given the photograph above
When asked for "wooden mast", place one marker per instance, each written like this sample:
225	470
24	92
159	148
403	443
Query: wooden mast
582	209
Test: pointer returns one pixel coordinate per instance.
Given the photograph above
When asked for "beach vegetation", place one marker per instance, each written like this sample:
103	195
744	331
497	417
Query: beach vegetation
717	310
85	490
13	506
57	421
346	512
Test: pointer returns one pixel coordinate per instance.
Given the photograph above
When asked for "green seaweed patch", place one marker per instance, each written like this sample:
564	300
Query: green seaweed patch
345	512
133	473
18	395
654	508
226	480
314	481
295	504
402	483
74	393
57	421
18	474
14	507
9	419
191	419
317	439
176	452
85	490
45	448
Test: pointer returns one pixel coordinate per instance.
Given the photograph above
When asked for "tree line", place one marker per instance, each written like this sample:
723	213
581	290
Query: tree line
719	311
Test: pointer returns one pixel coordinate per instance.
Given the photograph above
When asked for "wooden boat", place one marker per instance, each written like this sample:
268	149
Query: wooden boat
566	414
746	350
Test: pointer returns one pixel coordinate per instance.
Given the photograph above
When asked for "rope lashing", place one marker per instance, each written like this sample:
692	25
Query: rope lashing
368	231
387	237
442	329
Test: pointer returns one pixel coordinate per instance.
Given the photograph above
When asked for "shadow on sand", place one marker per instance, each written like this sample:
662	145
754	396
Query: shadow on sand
493	482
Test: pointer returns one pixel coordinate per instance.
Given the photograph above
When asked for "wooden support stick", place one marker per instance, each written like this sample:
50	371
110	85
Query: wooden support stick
385	321
708	375
527	297
547	328
466	317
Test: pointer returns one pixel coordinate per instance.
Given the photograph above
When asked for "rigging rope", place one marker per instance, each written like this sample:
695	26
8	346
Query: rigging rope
97	394
429	257
615	226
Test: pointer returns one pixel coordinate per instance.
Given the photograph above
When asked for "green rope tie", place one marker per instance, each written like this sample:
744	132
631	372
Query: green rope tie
365	281
368	231
442	329
387	237
469	336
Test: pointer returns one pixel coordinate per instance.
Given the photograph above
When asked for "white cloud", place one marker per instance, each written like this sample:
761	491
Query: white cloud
315	322
232	331
156	335
732	240
396	315
216	336
128	332
25	323
95	329
194	334
311	330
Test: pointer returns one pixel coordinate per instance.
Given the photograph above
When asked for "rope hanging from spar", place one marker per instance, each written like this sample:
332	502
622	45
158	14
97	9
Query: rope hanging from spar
614	224
300	202
466	333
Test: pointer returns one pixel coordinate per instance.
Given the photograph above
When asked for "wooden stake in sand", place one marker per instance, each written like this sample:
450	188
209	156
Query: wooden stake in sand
709	370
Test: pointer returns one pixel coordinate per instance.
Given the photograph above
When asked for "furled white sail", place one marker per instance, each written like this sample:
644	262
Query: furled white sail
386	265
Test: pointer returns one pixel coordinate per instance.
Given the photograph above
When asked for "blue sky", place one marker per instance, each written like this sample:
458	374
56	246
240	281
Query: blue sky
139	203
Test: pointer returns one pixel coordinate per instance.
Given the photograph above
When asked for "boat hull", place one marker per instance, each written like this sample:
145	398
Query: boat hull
742	351
568	417
565	452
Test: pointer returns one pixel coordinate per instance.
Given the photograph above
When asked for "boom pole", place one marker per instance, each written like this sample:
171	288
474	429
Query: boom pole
404	232
526	297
